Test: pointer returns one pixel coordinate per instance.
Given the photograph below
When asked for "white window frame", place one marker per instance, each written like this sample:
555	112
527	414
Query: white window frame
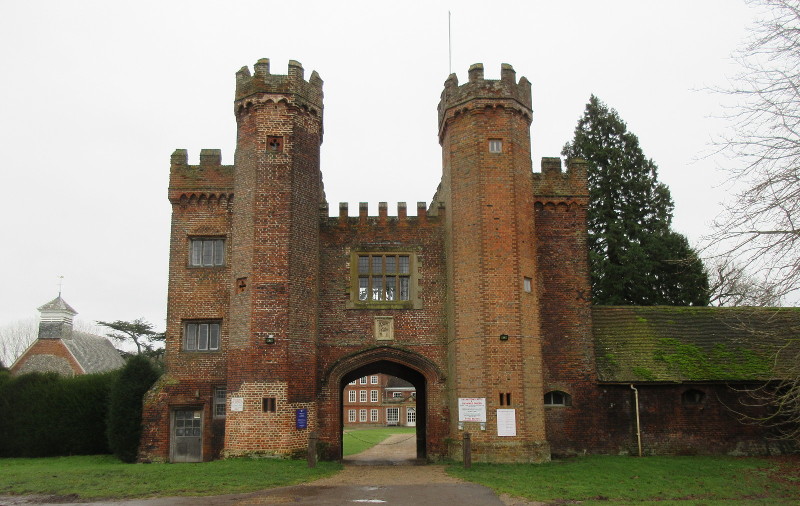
363	380
206	251
351	396
397	395
362	396
393	415
362	415
373	396
351	415
373	380
495	145
373	415
202	336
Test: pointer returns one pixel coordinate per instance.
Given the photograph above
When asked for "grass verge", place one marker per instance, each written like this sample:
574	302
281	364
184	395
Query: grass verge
624	480
357	440
102	476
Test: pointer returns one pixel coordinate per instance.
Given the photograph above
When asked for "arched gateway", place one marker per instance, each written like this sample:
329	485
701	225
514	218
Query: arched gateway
274	305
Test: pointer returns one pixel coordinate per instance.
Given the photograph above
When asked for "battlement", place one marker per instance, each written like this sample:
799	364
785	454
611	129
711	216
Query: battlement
383	218
208	177
477	88
293	85
553	184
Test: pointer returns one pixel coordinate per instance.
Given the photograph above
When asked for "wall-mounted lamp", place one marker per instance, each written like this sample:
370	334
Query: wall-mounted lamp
504	337
270	339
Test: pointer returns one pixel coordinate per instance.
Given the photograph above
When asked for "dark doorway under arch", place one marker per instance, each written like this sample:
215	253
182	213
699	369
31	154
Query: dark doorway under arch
401	371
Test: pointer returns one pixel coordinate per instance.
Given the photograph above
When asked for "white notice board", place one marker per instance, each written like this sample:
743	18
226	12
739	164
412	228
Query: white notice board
472	409
506	422
237	404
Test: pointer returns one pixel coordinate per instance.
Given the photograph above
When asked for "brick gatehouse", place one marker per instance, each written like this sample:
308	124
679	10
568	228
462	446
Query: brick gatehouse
481	300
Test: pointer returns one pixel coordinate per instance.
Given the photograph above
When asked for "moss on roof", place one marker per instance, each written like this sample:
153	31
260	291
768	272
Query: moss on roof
677	344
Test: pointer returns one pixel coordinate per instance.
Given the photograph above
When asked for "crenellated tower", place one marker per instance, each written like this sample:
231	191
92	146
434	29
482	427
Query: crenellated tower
494	325
274	256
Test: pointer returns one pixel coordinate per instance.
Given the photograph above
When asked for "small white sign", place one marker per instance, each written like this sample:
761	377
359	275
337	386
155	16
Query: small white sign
472	409
506	422
237	403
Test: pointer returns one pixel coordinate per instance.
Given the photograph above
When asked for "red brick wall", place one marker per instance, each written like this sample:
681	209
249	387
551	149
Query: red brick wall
491	248
52	347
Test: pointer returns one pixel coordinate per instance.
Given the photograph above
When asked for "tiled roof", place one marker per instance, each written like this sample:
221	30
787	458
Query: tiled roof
93	353
677	344
57	304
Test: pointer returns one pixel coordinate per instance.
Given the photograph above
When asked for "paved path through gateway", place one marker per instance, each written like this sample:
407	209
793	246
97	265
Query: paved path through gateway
386	474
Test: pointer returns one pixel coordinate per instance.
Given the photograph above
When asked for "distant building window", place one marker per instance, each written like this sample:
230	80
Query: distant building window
362	396
269	404
363	380
373	396
373	415
354	382
495	146
557	398
392	416
207	252
373	380
413	395
351	415
397	394
362	415
693	396
201	336
219	402
351	396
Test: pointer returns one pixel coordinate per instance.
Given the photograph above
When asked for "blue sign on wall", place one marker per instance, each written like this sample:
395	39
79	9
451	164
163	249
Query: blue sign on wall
301	418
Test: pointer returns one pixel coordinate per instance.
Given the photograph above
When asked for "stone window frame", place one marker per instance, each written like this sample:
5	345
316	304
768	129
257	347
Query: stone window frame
220	401
557	398
414	301
191	344
197	251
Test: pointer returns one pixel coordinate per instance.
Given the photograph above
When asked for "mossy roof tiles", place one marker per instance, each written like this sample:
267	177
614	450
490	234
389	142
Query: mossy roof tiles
636	344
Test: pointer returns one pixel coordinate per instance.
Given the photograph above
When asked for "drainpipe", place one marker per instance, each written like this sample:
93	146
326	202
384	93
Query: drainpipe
638	428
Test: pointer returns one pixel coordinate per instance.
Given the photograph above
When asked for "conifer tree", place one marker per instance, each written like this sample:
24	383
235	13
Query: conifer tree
635	257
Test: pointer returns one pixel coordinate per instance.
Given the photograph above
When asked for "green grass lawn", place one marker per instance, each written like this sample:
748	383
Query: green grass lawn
357	440
627	480
103	476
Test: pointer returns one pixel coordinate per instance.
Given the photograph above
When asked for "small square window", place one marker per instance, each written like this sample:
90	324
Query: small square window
363	380
373	380
269	404
495	146
275	144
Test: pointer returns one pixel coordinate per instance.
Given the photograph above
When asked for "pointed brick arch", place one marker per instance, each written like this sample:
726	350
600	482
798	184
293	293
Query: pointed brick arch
420	371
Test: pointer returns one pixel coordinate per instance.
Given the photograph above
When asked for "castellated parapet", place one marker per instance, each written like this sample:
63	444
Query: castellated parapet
479	92
553	185
295	89
209	179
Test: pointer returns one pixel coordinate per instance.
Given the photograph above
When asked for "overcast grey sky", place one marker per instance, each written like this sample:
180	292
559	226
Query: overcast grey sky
97	94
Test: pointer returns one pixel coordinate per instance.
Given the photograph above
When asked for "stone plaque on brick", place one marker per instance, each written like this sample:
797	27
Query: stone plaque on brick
237	404
384	328
472	409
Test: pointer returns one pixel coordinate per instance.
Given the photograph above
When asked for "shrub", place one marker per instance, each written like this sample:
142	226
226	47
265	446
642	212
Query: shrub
49	415
124	426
